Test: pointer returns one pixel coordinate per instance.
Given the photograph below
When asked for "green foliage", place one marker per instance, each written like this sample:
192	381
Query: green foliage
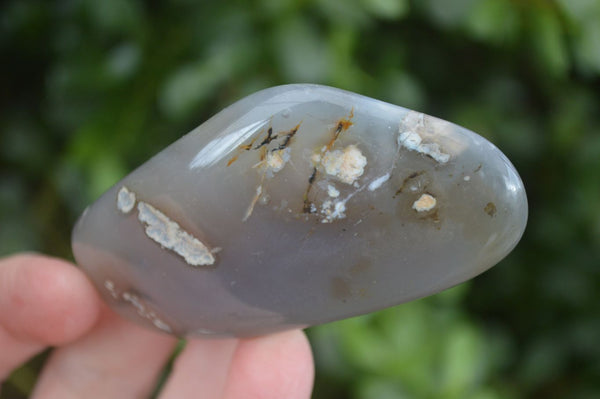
426	349
91	89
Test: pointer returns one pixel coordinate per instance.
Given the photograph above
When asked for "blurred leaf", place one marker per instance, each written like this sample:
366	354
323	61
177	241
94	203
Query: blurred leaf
542	360
105	170
192	84
390	9
548	41
448	13
580	9
584	25
496	21
380	388
402	89
23	379
570	119
278	7
343	12
123	61
295	39
343	72
453	296
113	16
18	231
588	46
462	363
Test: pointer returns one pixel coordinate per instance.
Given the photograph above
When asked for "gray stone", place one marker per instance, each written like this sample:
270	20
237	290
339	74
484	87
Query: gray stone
295	206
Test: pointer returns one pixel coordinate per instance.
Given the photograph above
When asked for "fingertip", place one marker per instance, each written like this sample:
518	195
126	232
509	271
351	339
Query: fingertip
45	300
274	366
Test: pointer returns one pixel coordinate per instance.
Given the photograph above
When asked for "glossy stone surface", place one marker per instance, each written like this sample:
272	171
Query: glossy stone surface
295	206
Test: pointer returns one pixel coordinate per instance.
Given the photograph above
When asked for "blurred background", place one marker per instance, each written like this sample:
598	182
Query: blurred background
91	89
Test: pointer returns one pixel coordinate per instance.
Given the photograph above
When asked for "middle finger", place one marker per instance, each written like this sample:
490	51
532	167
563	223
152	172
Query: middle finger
201	370
116	360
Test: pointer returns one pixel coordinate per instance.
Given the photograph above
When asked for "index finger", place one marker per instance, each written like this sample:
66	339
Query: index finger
43	302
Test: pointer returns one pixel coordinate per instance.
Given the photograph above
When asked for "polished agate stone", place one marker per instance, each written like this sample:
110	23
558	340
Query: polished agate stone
295	206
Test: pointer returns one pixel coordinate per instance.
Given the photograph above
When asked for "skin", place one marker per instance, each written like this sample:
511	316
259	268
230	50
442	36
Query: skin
49	302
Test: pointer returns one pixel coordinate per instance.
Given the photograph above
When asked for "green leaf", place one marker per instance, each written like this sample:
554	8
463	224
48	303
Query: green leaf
389	9
193	83
448	13
588	47
462	361
548	42
105	171
380	388
301	51
494	21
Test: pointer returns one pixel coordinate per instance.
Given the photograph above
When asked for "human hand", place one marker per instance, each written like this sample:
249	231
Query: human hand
49	302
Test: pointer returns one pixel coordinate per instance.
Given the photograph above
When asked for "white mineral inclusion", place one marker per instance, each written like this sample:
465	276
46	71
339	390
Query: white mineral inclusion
110	287
414	142
144	312
426	202
276	160
125	200
250	209
377	183
333	210
171	236
346	165
332	191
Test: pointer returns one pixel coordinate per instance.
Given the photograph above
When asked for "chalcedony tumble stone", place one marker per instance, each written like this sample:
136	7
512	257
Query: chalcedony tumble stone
296	206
